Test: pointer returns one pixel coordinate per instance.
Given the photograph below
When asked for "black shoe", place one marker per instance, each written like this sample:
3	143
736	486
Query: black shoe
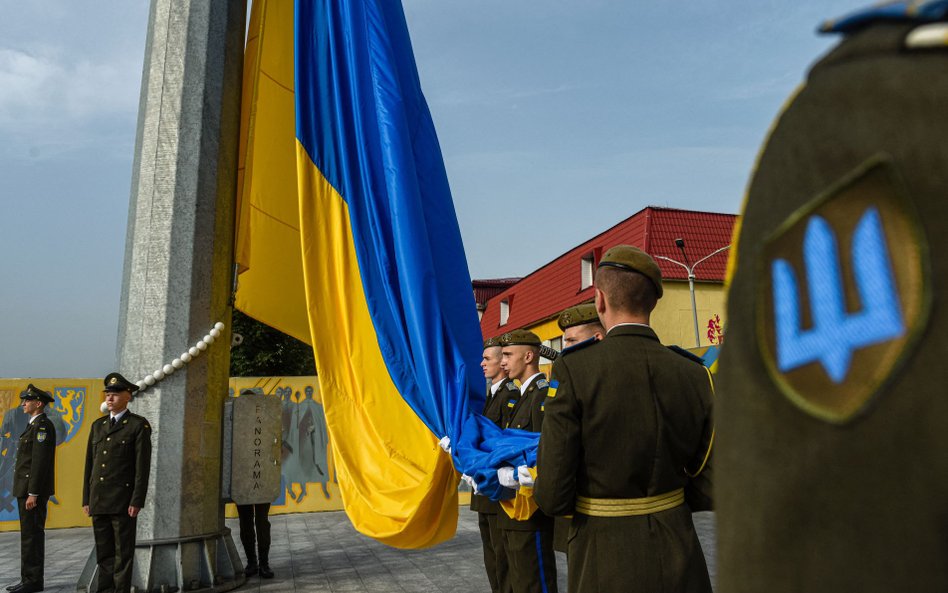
251	569
265	571
29	588
15	587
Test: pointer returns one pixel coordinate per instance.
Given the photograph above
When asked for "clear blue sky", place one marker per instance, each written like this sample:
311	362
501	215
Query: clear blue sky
557	119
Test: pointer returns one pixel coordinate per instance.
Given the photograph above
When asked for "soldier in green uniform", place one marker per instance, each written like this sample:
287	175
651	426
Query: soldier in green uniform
580	323
118	458
33	481
833	450
529	543
628	422
500	390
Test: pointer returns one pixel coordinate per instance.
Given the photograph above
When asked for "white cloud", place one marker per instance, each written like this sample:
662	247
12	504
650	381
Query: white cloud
48	97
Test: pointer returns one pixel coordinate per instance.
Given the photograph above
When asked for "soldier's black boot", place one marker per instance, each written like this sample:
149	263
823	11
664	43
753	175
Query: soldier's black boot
265	571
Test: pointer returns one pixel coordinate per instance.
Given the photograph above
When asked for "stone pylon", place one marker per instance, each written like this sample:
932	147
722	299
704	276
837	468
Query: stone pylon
176	285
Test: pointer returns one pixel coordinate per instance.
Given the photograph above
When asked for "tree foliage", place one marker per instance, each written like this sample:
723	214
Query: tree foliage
266	352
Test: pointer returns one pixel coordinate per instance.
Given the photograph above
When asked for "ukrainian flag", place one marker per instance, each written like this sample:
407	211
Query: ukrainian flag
348	239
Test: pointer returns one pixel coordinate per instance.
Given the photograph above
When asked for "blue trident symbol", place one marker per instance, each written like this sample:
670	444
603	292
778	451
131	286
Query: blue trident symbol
836	334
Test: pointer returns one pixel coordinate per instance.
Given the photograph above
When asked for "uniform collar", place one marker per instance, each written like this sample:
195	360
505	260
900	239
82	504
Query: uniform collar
526	384
495	387
32	418
632	329
119	415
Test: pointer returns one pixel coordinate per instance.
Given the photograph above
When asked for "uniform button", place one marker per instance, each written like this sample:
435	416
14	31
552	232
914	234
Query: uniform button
104	452
101	479
108	438
103	465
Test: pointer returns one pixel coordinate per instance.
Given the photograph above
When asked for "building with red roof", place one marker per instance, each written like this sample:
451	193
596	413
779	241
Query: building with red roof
535	301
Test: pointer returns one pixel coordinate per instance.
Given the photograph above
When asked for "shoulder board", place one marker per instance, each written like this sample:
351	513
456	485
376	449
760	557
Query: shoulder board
682	352
579	346
542	383
512	386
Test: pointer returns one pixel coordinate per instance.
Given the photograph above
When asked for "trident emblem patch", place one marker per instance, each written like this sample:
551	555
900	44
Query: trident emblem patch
843	293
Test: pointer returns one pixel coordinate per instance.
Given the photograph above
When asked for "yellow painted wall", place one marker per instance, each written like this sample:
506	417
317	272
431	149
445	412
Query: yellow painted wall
672	318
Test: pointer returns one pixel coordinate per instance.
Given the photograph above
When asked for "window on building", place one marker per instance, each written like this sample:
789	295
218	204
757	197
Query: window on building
586	271
504	311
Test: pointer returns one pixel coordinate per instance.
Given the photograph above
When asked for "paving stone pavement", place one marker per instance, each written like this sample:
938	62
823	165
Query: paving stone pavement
322	553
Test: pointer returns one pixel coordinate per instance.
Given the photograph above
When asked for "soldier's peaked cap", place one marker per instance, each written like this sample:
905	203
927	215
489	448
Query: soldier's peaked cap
520	337
33	392
117	383
627	257
578	315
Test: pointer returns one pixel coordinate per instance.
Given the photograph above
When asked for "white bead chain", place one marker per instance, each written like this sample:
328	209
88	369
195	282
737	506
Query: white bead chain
179	363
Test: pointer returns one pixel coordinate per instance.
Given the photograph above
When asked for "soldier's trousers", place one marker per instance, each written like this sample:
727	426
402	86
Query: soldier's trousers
255	532
114	550
495	553
32	540
531	562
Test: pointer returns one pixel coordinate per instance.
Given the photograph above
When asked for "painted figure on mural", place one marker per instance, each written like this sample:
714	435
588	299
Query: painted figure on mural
290	458
14	422
313	442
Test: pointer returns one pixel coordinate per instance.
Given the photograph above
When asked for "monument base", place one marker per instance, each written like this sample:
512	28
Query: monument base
201	563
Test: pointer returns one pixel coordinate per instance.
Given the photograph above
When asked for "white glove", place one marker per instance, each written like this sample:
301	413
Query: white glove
445	444
470	482
506	477
523	475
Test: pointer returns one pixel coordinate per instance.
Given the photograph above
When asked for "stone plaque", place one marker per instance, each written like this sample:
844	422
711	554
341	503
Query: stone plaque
255	449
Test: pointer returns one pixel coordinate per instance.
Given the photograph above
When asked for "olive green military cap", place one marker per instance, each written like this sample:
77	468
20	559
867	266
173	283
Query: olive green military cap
578	315
491	342
520	337
116	382
627	257
33	392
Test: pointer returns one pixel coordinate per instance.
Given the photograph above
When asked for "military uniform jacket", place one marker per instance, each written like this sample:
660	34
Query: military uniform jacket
527	414
117	464
35	469
628	418
493	409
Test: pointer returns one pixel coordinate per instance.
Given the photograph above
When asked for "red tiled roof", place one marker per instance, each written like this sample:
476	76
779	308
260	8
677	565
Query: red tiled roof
557	285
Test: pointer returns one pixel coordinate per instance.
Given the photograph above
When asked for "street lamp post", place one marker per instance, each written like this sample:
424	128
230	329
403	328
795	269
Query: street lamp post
690	268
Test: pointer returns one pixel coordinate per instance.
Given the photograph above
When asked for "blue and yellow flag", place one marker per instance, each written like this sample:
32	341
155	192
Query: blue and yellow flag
368	247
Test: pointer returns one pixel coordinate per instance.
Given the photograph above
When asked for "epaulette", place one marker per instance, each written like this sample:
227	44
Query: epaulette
543	384
511	386
690	356
578	346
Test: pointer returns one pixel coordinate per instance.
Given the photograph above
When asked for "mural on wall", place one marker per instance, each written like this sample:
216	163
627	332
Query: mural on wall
715	330
308	480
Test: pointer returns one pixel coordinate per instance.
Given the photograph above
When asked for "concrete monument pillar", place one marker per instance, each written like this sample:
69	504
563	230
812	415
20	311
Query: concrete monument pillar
176	285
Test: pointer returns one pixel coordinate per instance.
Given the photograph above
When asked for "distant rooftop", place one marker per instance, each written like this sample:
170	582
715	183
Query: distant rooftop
564	282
